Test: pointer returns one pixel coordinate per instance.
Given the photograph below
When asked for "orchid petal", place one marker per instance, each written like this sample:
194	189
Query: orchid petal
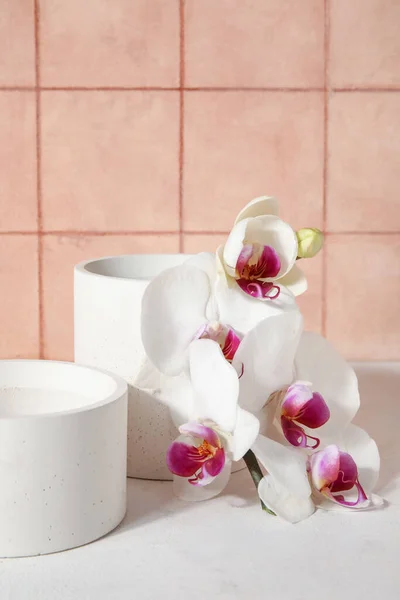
215	465
184	459
348	474
173	310
232	343
373	502
283	502
315	413
267	353
305	407
365	453
233	247
264	205
177	394
324	467
245	433
297	395
202	432
211	469
295	281
189	492
357	501
286	466
332	377
215	385
206	262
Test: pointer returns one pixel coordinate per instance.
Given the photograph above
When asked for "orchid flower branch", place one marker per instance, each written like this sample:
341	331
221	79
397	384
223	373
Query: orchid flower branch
242	379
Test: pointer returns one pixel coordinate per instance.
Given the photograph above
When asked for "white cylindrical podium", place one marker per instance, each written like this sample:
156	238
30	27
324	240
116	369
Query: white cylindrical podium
107	308
62	455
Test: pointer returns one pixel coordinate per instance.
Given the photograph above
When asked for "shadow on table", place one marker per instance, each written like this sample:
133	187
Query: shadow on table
149	501
379	415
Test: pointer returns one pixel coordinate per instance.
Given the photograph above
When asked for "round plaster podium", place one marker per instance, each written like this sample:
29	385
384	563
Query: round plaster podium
107	310
62	455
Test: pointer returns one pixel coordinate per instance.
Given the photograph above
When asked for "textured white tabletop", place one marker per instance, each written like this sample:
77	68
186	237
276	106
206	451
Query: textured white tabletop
227	548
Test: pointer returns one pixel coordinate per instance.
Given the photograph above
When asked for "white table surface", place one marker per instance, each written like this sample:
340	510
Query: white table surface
227	548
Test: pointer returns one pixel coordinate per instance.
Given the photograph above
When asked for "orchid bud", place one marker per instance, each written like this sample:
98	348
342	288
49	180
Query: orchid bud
310	240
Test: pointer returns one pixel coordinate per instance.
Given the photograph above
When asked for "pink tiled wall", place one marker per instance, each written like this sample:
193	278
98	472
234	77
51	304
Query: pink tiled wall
144	125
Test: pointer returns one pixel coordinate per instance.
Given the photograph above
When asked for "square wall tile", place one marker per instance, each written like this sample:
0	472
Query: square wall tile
279	43
365	43
198	242
364	162
18	205
17	43
110	160
363	292
61	254
98	43
19	300
239	145
310	302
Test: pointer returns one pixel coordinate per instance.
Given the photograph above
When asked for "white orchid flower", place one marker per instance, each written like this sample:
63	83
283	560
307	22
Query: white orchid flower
322	399
261	251
344	469
214	430
285	489
192	301
341	476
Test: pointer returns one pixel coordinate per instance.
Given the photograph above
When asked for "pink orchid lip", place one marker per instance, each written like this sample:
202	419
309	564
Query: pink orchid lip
255	264
232	342
301	406
259	289
256	261
333	472
210	469
200	464
296	435
224	335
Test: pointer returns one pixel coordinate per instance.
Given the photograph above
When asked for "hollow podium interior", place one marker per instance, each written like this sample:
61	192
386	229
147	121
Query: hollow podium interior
62	455
29	388
107	305
134	266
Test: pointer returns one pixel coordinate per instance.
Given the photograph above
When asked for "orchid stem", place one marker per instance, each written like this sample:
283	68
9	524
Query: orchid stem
256	474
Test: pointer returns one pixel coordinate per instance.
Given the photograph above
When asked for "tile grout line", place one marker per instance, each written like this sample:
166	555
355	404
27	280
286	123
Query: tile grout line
181	114
39	178
290	90
325	168
84	232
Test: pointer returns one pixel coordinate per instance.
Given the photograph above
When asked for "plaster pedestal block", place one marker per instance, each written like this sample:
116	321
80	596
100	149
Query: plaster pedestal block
108	297
62	455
